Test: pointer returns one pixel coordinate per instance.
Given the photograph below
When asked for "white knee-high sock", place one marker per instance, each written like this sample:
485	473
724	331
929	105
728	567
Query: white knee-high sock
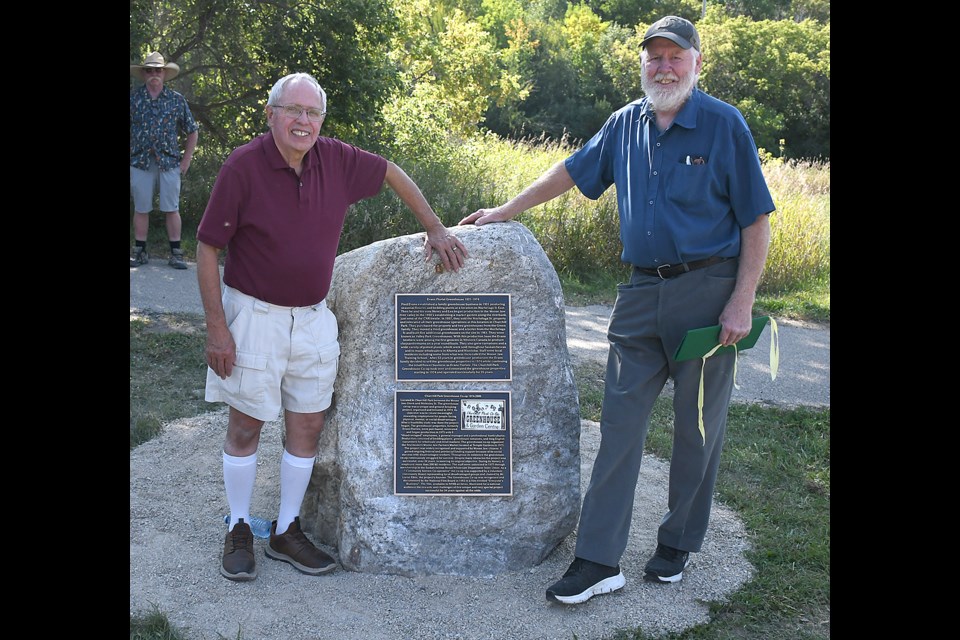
294	477
239	474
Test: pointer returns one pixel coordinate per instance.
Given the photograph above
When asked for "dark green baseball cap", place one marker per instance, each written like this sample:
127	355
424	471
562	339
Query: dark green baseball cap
675	29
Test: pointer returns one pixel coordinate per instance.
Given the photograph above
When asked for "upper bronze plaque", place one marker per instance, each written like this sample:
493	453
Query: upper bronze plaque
453	337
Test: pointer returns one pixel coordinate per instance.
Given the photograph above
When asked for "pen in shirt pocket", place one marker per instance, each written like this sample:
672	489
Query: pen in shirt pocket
694	160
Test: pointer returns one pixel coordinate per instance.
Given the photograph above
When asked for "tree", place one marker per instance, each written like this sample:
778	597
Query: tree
496	15
450	72
777	72
571	93
796	10
399	72
629	13
231	52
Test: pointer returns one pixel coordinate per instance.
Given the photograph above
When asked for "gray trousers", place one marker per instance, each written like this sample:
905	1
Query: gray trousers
648	321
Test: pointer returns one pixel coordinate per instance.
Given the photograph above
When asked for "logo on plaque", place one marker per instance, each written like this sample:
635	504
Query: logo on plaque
483	414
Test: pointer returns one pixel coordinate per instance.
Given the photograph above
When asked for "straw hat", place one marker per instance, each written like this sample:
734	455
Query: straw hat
155	61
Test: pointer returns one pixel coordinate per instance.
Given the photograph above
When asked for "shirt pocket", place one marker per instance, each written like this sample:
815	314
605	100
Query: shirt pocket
689	185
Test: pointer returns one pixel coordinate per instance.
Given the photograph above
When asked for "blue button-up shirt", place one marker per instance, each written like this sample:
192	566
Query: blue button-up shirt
154	126
683	194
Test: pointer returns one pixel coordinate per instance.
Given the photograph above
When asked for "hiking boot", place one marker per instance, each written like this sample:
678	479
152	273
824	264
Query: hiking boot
139	257
293	546
239	562
176	259
585	579
666	565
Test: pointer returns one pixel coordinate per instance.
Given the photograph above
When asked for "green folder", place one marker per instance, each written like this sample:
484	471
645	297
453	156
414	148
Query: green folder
698	342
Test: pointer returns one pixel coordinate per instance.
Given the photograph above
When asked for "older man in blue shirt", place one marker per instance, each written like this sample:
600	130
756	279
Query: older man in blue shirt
694	222
158	115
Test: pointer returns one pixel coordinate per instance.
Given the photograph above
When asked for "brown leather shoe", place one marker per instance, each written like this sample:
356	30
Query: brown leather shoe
293	546
239	562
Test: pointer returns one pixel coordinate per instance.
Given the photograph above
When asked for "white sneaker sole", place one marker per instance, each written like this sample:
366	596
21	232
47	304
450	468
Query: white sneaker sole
607	585
652	577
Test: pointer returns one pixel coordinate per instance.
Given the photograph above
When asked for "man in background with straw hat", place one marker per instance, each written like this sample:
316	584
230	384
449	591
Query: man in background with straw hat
157	116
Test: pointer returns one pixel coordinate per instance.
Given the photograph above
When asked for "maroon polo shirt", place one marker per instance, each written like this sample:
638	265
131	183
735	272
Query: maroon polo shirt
282	231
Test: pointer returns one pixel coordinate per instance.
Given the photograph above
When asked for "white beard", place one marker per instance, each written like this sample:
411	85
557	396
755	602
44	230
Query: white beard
668	98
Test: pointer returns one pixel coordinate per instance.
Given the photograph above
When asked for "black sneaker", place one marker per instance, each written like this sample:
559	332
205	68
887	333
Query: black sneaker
585	579
666	565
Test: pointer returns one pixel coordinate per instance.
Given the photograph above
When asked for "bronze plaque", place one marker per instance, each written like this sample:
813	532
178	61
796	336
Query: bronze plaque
452	443
453	337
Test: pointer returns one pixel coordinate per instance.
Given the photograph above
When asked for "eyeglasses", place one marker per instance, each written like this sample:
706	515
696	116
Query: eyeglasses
294	111
147	70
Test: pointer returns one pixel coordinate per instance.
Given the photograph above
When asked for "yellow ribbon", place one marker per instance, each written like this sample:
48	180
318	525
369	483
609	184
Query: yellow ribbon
774	366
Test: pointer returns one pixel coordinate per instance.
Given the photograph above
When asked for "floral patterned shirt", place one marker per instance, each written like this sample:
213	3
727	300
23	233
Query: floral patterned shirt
154	126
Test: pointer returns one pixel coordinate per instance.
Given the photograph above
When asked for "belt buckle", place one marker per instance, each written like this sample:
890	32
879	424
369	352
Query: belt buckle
663	266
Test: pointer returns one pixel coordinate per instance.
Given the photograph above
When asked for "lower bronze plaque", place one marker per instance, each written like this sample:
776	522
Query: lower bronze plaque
452	443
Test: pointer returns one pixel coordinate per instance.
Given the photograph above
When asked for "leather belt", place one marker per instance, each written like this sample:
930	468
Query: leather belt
671	270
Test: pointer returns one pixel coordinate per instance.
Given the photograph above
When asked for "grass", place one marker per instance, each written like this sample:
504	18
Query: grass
167	372
155	626
775	473
811	304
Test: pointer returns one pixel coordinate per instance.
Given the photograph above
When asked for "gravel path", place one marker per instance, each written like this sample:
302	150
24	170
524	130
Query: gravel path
176	538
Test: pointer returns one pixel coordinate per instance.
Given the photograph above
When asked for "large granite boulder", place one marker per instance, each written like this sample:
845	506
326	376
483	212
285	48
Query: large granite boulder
351	502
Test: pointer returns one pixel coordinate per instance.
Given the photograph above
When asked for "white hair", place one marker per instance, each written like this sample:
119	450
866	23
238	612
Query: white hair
277	89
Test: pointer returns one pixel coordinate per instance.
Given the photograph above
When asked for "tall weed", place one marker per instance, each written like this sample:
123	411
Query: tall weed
582	236
800	228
